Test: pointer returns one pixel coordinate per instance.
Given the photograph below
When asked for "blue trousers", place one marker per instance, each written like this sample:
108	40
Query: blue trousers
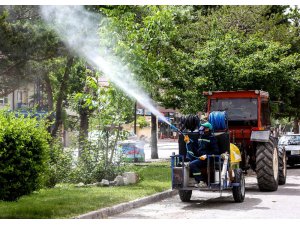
195	167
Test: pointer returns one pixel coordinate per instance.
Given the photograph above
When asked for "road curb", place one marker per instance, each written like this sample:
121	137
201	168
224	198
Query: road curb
109	211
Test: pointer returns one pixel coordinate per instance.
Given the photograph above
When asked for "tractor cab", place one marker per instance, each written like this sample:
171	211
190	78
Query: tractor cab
246	110
248	118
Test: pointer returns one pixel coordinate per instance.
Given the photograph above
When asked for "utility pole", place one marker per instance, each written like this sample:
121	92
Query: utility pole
134	126
154	149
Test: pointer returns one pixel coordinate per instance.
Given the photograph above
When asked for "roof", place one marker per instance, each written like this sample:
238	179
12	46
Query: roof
237	92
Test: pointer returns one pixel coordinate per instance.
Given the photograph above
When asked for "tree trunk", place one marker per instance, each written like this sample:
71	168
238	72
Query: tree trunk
62	96
49	92
134	123
154	151
83	130
296	125
115	144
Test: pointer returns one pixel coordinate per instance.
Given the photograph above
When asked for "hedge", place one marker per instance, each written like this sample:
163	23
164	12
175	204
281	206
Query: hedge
24	152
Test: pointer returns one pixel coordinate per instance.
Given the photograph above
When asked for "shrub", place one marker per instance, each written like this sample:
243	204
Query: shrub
142	122
60	164
23	155
109	172
94	163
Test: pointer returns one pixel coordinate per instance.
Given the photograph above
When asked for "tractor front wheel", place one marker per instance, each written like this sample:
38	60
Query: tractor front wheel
282	166
282	162
185	195
267	169
267	166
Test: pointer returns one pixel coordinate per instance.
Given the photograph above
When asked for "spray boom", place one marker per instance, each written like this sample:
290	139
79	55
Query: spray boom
175	128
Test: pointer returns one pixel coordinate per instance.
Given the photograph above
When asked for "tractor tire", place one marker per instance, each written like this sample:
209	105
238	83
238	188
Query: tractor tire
238	192
282	166
185	195
267	166
282	162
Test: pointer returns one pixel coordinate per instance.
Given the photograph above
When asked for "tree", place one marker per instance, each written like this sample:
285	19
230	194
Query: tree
114	109
24	39
184	50
82	98
29	49
154	58
240	47
62	95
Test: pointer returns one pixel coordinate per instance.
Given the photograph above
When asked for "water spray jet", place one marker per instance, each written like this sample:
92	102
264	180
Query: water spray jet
78	29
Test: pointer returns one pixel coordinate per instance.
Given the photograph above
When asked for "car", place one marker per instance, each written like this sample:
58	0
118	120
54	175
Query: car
291	143
133	151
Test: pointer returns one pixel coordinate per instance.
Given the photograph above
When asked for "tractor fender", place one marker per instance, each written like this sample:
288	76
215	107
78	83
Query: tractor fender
260	136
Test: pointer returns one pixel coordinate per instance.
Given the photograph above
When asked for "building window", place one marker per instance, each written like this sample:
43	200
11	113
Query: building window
3	101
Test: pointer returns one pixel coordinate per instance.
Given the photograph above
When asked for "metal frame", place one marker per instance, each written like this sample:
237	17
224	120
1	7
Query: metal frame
213	186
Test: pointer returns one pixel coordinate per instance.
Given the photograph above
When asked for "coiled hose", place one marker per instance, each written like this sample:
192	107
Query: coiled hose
218	119
190	122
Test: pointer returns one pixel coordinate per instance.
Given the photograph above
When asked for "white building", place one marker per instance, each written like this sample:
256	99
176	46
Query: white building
20	98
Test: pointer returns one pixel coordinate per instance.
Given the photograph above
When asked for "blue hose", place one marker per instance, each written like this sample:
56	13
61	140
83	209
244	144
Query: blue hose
218	119
175	128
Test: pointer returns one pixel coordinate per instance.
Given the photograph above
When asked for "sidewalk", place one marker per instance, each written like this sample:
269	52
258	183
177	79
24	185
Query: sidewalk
123	207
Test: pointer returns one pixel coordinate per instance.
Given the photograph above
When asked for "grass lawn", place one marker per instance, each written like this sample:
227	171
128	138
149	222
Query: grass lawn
67	201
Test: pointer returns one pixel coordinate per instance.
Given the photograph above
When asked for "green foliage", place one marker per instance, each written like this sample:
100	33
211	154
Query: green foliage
60	164
146	38
85	164
67	201
100	158
234	62
83	91
183	51
24	153
24	38
142	122
113	108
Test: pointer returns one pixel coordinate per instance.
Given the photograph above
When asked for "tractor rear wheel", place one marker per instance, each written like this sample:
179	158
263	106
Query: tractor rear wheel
267	166
185	195
238	192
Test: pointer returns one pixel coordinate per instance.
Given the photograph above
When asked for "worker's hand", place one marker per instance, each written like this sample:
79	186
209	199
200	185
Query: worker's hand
186	139
203	157
223	155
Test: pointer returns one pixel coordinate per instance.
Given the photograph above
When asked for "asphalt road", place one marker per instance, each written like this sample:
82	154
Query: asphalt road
282	204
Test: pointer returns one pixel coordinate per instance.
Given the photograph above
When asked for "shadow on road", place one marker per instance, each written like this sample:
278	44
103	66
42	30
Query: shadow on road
225	203
252	198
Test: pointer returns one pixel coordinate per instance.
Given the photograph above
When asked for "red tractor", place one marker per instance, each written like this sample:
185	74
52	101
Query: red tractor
248	126
248	117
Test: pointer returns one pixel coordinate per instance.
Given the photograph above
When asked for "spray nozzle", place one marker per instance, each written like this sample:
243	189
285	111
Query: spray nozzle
175	128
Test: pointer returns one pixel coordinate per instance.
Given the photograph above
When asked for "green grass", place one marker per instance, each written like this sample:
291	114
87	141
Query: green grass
67	201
